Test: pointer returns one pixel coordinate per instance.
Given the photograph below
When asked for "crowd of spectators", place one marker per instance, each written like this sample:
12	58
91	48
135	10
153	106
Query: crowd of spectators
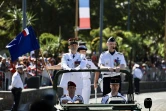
32	67
153	68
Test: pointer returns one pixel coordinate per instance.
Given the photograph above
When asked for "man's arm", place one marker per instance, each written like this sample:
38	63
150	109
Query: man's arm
64	100
96	79
56	67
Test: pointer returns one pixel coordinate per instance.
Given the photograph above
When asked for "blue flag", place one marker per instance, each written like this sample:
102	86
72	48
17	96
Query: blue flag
24	42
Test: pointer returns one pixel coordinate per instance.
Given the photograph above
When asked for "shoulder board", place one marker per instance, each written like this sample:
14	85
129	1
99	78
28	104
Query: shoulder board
89	59
63	95
103	52
120	53
65	54
79	96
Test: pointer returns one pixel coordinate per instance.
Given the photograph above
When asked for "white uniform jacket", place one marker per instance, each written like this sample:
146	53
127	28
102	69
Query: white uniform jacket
89	65
105	99
72	100
86	91
68	63
108	60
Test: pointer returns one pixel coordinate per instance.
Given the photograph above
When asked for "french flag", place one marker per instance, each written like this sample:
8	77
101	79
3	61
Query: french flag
84	14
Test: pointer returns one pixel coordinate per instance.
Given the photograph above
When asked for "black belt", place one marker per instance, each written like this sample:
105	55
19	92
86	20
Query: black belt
14	88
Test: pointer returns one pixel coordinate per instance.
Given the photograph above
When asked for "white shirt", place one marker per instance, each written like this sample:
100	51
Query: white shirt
108	60
137	73
75	98
16	81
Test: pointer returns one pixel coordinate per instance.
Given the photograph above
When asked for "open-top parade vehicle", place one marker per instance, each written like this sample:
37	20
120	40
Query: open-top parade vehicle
131	104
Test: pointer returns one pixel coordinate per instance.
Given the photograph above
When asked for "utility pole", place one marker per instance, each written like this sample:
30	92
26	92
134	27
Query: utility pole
76	20
101	25
24	13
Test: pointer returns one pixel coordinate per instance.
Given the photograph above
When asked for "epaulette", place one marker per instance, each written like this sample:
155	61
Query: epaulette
120	53
63	95
103	52
79	96
89	59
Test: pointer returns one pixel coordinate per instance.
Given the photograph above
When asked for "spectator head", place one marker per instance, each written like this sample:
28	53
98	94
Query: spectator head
19	68
3	59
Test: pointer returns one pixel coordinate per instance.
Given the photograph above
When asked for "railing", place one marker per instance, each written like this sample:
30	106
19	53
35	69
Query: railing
130	94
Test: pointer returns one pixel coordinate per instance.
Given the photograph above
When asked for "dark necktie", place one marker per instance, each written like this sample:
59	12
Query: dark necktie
73	56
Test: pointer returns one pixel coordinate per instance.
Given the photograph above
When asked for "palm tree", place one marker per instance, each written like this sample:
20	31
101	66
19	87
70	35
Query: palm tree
11	24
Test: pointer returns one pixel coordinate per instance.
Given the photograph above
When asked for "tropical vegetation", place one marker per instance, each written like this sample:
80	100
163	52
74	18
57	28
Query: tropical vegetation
138	26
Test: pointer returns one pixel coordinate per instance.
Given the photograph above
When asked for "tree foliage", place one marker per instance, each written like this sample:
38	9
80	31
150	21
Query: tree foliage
146	23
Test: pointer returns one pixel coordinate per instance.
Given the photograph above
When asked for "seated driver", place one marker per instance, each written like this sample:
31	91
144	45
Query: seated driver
114	97
71	97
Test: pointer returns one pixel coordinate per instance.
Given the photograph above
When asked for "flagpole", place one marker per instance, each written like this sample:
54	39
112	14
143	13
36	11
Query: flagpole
24	13
165	37
101	25
46	68
76	20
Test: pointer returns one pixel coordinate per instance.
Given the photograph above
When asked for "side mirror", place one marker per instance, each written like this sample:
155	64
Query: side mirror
148	103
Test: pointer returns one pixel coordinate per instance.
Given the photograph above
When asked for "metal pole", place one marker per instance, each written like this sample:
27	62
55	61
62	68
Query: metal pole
165	36
101	25
24	13
128	22
76	20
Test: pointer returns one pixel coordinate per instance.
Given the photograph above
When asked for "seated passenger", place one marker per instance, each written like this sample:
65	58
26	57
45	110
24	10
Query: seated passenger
114	97
71	97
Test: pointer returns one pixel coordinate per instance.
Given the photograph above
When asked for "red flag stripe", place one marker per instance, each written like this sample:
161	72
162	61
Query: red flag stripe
84	23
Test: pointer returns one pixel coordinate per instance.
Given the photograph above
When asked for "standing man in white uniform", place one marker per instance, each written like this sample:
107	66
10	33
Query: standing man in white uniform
86	91
17	86
111	60
72	61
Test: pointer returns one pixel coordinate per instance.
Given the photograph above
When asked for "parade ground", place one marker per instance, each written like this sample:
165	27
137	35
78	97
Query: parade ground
158	100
